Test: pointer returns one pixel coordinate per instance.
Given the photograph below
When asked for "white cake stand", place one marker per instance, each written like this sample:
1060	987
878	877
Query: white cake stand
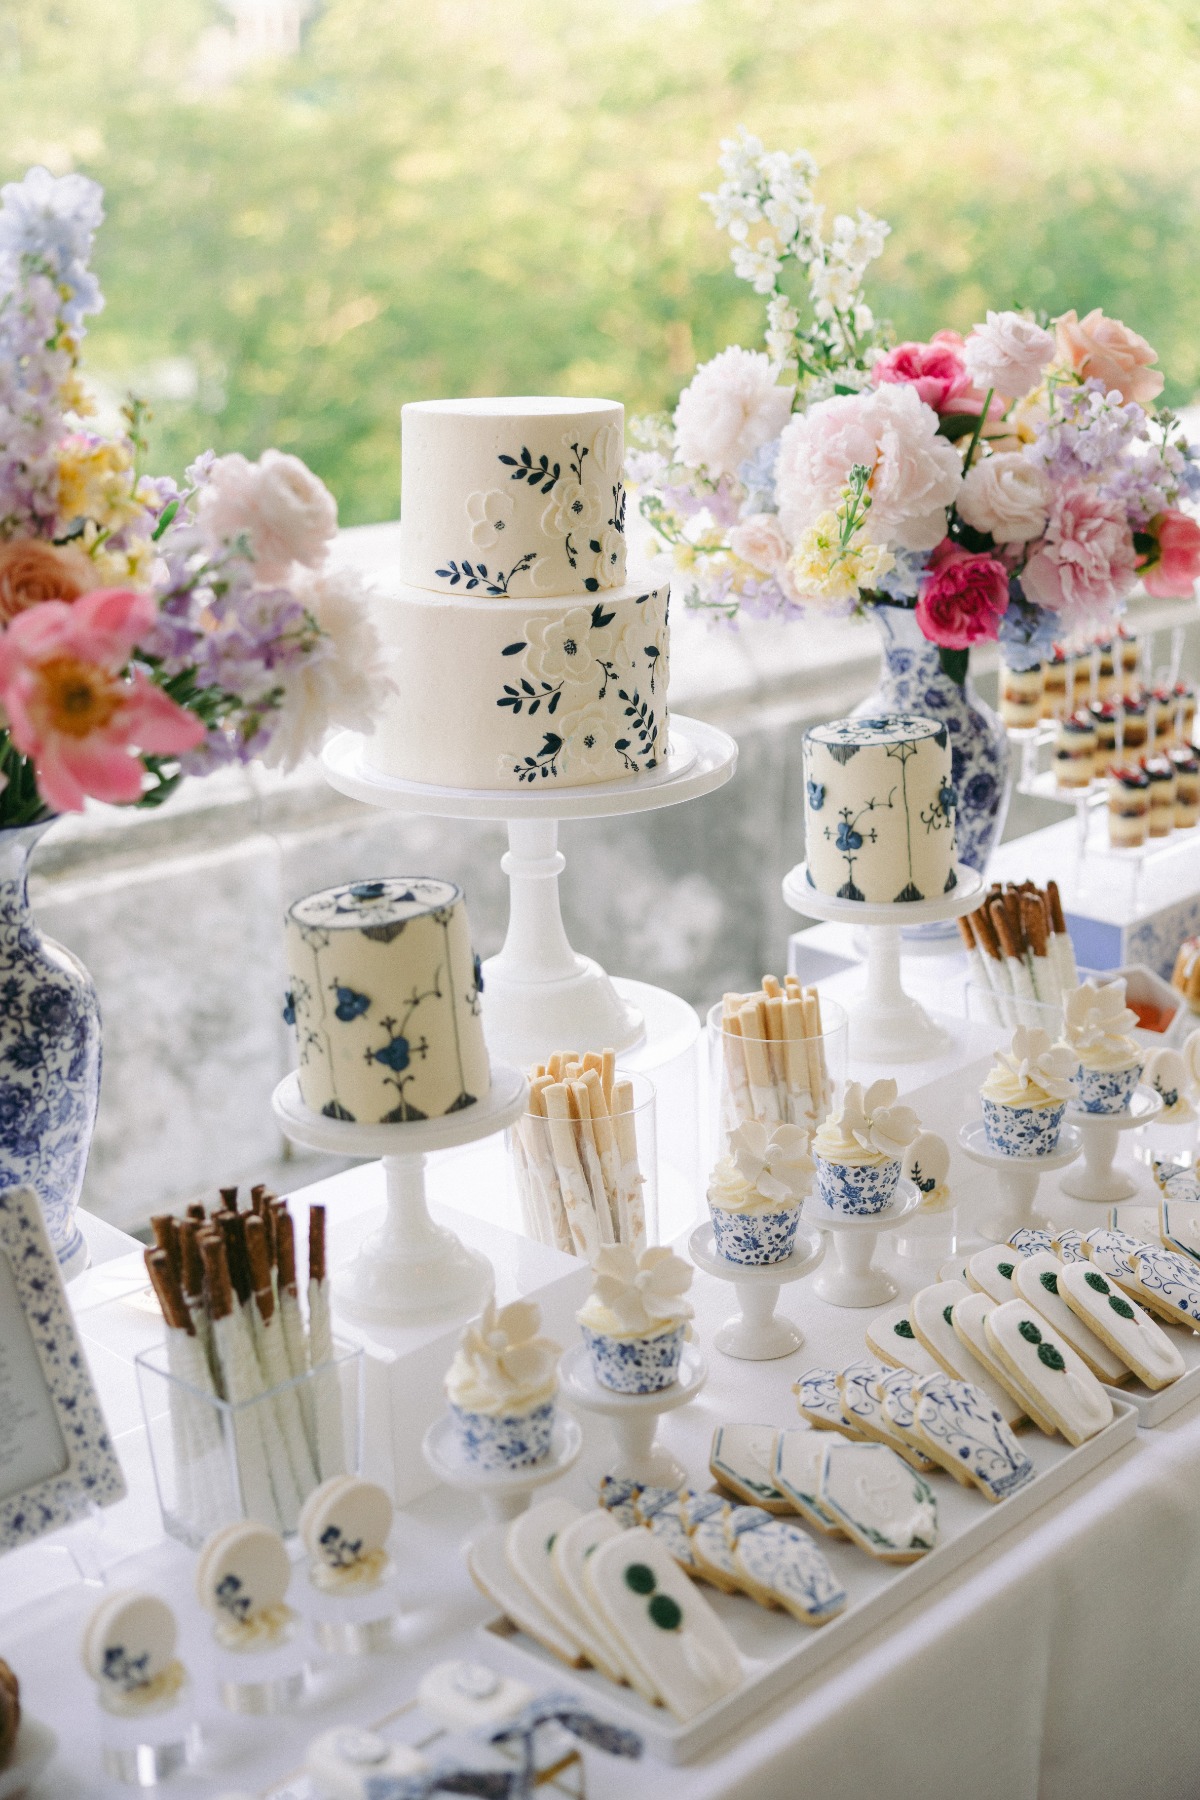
634	1417
504	1492
1018	1177
886	1024
1097	1179
540	995
755	1334
847	1278
411	1269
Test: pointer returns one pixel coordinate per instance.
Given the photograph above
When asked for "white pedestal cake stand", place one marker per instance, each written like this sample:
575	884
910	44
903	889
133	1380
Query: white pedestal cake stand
847	1277
1097	1179
634	1417
886	1024
411	1269
539	994
1018	1177
504	1492
755	1334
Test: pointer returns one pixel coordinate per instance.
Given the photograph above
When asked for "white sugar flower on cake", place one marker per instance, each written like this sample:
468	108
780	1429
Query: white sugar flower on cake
490	514
870	1125
503	1363
637	1293
1097	1023
766	1165
1032	1071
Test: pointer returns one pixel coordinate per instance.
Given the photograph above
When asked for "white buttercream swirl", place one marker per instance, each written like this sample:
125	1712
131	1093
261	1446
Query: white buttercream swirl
637	1294
1032	1071
869	1129
1096	1024
766	1169
502	1365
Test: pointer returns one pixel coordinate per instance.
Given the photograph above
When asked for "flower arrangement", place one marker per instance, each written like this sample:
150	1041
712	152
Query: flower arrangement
1013	485
147	631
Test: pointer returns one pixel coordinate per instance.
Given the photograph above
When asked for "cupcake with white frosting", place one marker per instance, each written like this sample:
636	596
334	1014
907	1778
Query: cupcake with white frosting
857	1152
1096	1027
756	1192
1026	1093
636	1319
502	1387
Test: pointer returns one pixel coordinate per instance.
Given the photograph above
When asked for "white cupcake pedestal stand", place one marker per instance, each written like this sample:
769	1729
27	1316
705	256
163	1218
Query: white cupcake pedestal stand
847	1277
411	1269
1097	1179
634	1417
755	1334
886	1024
539	995
1018	1178
504	1492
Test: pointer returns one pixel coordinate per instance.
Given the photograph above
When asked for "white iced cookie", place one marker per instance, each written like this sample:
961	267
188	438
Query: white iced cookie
492	1573
345	1525
242	1578
711	1548
990	1272
469	1696
964	1432
932	1310
1039	1279
1179	1226
891	1338
860	1385
954	1270
927	1166
1181	1185
658	1509
129	1651
1045	1364
780	1565
529	1548
344	1761
881	1502
663	1623
571	1546
617	1496
899	1407
1112	1252
969	1316
798	1475
1169	1284
1029	1240
1123	1325
818	1401
1168	1074
741	1459
1068	1245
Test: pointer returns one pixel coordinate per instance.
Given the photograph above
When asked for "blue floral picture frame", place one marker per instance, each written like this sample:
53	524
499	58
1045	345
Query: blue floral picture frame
56	1456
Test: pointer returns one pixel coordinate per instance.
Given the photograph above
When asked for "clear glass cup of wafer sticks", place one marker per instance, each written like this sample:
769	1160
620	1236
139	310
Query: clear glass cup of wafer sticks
777	1056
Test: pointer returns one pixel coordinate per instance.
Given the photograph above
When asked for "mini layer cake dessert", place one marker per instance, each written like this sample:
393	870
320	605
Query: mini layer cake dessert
1134	725
1128	807
385	1001
1104	715
1075	751
1160	718
1160	771
1185	976
1106	676
879	809
1186	764
756	1192
1026	1093
502	1387
1128	658
1021	692
636	1319
857	1152
1054	687
1096	1026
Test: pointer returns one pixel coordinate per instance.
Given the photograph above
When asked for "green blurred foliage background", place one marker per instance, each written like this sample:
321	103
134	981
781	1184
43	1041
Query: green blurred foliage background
474	196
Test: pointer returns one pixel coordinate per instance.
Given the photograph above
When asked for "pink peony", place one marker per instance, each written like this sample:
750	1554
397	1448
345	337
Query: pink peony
1101	349
936	370
1008	353
1174	572
1086	562
963	597
759	540
286	512
731	407
70	707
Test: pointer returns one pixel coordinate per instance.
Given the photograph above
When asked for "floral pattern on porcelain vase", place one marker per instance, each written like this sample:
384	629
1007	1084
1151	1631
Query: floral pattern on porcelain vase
912	680
49	1057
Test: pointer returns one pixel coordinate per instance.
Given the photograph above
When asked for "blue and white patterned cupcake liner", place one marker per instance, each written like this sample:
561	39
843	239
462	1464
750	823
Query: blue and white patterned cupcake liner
755	1238
1107	1090
505	1440
641	1365
857	1190
1022	1130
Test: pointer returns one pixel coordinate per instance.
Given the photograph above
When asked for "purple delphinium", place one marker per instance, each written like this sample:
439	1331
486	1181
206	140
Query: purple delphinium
47	224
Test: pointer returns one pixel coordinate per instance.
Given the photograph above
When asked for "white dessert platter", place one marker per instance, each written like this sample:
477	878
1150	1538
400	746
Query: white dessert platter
1096	1179
634	1417
886	1024
504	1492
411	1269
1018	1178
755	1333
539	993
847	1277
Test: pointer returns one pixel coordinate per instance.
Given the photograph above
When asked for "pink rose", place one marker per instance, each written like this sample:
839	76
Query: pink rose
936	370
1086	562
1101	349
963	597
1174	571
286	512
760	541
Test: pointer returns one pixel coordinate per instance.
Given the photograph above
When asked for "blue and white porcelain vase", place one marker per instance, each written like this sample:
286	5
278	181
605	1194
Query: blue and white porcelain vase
912	680
49	1056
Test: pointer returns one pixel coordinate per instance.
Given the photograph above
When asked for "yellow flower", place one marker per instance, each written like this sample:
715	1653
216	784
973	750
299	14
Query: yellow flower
1029	413
95	481
75	397
822	568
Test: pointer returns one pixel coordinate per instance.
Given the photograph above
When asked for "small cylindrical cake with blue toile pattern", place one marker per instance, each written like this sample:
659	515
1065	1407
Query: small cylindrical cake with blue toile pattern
879	809
857	1152
1096	1028
756	1192
1025	1094
636	1319
502	1388
385	1001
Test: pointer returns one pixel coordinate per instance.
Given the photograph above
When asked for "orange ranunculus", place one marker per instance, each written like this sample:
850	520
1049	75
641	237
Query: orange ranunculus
1101	349
32	571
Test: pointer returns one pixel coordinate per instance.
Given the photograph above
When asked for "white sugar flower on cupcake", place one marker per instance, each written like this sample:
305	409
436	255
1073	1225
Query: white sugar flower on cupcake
756	1192
927	1166
501	1387
1026	1093
1096	1027
635	1319
857	1152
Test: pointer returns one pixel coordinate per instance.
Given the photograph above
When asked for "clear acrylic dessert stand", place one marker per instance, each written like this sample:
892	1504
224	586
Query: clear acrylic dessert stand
634	1417
411	1269
1096	1179
504	1492
847	1277
539	994
1018	1178
755	1334
886	1024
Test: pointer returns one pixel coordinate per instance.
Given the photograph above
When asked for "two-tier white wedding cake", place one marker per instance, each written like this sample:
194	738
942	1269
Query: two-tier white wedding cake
522	650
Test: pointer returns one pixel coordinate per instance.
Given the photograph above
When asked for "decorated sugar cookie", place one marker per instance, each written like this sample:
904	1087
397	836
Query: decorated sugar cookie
782	1566
860	1385
617	1497
954	1270
658	1509
969	1437
663	1623
818	1401
883	1504
1123	1325
891	1338
344	1525
990	1272
1179	1227
969	1317
1169	1284
1040	1281
932	1311
129	1651
1112	1252
797	1474
490	1570
1068	1245
741	1460
529	1548
1182	1185
1029	1241
467	1696
241	1579
711	1548
927	1166
899	1409
1046	1366
571	1546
